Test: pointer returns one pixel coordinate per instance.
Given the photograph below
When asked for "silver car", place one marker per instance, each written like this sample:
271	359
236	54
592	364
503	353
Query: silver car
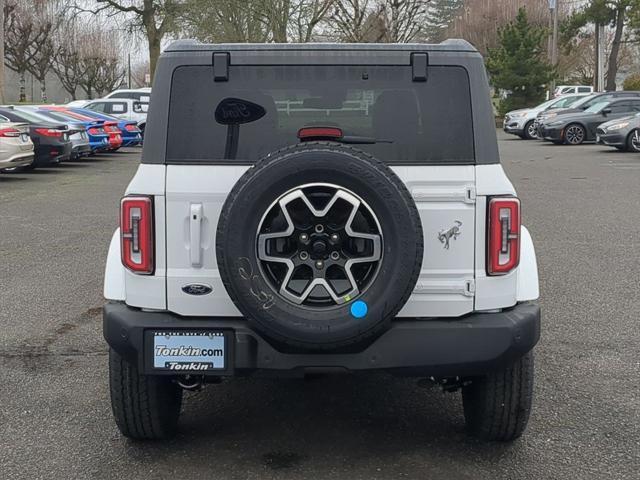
16	148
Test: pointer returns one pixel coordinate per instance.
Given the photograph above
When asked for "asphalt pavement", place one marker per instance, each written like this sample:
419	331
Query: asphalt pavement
581	206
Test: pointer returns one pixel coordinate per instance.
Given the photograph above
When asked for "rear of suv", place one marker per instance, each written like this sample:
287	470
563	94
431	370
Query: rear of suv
321	208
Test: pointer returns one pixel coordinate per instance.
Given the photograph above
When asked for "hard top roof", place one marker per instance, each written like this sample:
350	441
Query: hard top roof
452	45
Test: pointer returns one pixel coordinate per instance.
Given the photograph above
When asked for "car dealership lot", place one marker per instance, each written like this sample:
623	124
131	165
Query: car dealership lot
580	204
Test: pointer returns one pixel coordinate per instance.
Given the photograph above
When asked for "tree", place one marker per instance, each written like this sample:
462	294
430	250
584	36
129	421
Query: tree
632	82
442	14
154	18
351	20
614	13
46	21
518	64
221	21
21	35
403	20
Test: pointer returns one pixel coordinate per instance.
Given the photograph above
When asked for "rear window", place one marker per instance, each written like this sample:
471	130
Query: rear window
410	122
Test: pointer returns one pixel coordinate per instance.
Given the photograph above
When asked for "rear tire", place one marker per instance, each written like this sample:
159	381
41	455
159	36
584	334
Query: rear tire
497	406
633	141
144	407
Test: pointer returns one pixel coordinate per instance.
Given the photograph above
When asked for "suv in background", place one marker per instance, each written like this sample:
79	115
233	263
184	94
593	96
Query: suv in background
337	208
141	94
125	108
568	89
522	122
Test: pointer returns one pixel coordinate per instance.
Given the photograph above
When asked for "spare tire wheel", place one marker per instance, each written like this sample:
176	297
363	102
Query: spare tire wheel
319	246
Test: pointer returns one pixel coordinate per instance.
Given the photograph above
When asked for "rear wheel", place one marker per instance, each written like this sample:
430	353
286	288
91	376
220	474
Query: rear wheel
633	141
530	131
575	134
144	407
497	406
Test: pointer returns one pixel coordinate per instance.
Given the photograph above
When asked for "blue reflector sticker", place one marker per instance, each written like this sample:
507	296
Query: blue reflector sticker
359	309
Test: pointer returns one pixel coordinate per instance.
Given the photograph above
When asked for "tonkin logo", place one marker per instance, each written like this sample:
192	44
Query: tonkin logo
197	289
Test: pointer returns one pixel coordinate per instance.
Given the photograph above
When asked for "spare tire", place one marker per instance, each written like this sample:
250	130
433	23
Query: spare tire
319	246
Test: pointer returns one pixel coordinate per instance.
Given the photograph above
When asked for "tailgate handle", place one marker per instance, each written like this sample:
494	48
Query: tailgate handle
195	227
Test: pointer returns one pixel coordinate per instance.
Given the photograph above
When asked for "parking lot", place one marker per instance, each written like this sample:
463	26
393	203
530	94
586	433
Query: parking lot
580	204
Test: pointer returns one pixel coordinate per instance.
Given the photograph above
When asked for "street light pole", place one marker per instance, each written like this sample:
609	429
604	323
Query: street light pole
553	11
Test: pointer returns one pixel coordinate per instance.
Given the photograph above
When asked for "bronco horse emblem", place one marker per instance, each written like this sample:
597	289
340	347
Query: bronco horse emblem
445	235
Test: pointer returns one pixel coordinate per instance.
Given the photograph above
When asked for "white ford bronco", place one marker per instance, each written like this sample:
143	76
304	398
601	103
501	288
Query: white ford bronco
305	209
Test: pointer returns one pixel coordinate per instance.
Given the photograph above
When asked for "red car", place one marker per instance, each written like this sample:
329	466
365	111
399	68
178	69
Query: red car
111	128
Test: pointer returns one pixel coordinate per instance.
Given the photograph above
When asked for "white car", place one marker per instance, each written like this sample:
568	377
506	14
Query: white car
124	108
561	90
522	122
16	148
346	212
141	94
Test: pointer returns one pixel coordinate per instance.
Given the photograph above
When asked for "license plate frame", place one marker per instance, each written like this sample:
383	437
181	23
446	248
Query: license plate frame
174	338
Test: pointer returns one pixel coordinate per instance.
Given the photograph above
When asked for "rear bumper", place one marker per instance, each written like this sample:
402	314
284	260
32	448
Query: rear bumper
20	160
472	345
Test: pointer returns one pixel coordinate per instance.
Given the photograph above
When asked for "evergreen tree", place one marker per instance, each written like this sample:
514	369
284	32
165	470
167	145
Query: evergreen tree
442	13
518	65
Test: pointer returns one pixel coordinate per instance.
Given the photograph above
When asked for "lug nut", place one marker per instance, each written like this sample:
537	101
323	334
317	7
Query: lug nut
319	264
304	237
335	237
335	256
304	256
319	228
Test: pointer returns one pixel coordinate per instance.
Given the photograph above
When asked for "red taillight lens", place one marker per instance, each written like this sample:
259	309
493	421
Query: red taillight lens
131	128
96	131
503	236
9	132
49	132
136	234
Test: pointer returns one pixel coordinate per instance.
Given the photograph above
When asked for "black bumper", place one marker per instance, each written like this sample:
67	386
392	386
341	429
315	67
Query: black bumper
471	345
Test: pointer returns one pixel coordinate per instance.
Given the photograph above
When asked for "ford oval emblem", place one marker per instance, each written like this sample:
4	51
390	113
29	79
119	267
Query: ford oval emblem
197	289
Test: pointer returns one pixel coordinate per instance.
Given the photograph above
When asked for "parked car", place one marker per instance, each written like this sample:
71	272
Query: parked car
16	148
131	133
522	122
581	105
141	94
576	128
108	127
80	144
50	139
622	133
125	109
308	225
568	89
98	138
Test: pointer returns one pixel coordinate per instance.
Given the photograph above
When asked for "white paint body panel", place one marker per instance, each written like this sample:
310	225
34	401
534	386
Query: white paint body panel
114	271
452	281
528	285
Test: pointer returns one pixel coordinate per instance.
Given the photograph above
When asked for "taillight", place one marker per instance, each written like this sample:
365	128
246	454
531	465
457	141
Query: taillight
503	236
131	128
95	131
136	234
307	133
9	132
49	132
